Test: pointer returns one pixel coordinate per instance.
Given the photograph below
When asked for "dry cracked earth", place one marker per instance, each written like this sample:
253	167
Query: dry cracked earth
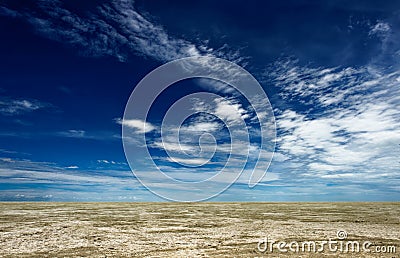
196	229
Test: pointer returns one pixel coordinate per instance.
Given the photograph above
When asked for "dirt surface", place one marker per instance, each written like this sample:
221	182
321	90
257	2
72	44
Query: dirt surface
195	229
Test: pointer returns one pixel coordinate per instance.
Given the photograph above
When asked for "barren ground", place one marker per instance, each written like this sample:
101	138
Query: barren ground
191	230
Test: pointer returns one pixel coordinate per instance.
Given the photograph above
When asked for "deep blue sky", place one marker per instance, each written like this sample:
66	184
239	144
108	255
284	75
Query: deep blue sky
330	69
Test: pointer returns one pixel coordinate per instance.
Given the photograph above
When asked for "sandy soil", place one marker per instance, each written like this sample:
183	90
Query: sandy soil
192	230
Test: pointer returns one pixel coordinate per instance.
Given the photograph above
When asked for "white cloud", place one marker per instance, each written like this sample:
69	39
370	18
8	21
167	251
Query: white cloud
316	86
351	124
200	127
34	176
231	112
88	135
174	146
199	136
191	161
380	28
216	85
144	36
73	133
23	171
7	160
110	162
12	107
136	124
279	157
204	138
120	30
388	35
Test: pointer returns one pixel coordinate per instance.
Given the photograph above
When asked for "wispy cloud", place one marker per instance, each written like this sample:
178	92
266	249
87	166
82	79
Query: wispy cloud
73	133
85	134
11	152
380	29
350	127
215	136
4	11
110	162
115	29
62	183
11	107
191	161
232	112
387	33
138	126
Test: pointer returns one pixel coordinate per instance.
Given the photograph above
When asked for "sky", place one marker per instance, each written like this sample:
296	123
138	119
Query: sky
330	70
